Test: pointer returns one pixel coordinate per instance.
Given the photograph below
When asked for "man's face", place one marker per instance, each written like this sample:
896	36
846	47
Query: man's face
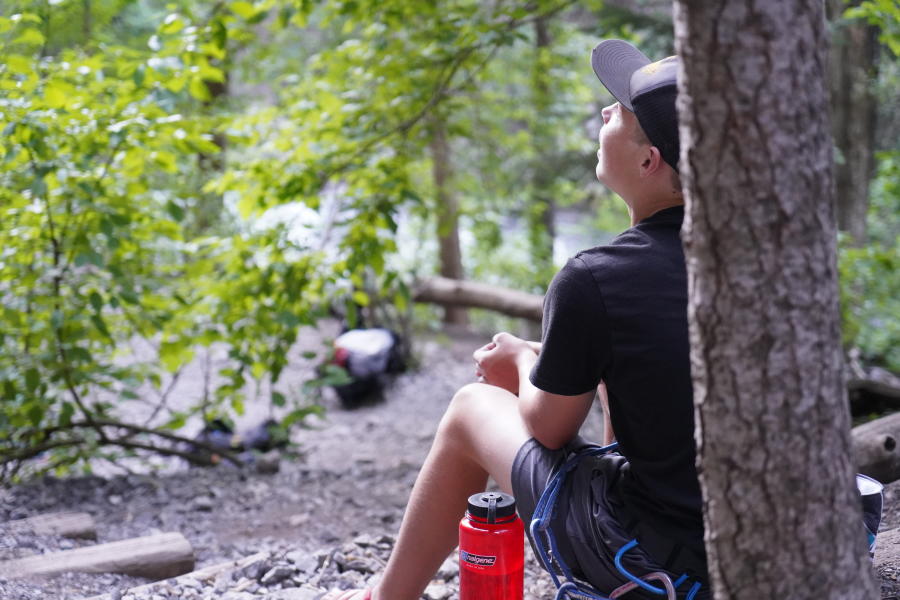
619	157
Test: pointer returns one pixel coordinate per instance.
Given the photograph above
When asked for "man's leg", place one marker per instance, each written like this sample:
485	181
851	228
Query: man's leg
479	435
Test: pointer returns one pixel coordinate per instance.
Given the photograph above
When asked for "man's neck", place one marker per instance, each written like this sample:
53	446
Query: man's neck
641	210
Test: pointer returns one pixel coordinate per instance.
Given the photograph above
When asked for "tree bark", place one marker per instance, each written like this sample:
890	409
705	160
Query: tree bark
448	216
853	67
782	515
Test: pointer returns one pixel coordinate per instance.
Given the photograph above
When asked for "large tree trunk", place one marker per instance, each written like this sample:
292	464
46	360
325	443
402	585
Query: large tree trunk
782	515
448	216
853	68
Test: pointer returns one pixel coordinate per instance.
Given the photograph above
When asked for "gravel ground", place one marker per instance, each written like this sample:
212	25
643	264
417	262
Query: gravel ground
326	520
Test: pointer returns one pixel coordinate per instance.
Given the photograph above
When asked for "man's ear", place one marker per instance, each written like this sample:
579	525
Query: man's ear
652	161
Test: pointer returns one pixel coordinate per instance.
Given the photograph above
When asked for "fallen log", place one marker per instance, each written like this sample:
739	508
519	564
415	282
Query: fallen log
66	524
472	294
875	448
205	574
154	556
878	382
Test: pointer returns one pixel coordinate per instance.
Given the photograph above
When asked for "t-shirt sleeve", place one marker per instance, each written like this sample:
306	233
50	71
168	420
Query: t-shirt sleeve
575	341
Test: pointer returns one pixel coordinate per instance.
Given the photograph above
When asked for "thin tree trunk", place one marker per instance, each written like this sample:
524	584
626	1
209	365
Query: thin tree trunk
541	212
853	68
782	515
86	20
447	216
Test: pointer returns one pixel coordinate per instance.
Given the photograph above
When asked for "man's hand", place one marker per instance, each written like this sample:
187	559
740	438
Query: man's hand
496	363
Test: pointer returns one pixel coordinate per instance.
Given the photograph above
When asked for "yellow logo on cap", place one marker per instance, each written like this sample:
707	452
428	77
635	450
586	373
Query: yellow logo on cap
651	68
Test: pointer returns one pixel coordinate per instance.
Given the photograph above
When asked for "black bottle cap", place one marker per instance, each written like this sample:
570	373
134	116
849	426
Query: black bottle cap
492	506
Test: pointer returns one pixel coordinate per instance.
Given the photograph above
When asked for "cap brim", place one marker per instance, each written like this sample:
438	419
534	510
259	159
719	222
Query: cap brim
614	61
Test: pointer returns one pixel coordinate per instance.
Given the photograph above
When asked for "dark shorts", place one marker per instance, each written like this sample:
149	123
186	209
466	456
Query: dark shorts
588	520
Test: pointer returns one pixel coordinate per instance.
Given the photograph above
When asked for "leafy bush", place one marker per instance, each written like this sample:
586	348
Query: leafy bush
101	158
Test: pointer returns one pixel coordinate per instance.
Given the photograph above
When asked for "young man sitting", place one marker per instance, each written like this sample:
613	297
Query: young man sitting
615	316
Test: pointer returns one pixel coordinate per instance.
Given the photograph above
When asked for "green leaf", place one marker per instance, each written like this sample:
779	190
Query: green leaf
35	413
55	96
32	379
361	298
78	354
65	414
199	90
245	10
175	211
89	257
31	37
96	301
174	355
172	24
100	324
177	421
278	399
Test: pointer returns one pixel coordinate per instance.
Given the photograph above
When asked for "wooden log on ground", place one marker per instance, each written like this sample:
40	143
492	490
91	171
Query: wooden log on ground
878	382
472	294
203	575
154	556
66	524
875	448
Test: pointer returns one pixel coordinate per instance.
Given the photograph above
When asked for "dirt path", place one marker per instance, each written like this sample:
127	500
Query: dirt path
343	502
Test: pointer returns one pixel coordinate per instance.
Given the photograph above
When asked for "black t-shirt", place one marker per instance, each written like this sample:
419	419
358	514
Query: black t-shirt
618	313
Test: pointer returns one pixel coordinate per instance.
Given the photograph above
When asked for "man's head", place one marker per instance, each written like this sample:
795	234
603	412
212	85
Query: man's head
646	93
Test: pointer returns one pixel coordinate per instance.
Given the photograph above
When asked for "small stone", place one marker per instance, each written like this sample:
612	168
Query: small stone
303	561
365	540
297	520
223	582
268	463
301	593
243	584
449	569
190	582
203	504
438	591
238	596
276	575
257	568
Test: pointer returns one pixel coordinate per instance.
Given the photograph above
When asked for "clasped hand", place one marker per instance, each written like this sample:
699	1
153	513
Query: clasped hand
497	362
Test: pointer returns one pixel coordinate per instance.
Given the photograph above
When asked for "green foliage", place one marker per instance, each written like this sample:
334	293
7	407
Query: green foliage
884	14
870	276
99	169
137	196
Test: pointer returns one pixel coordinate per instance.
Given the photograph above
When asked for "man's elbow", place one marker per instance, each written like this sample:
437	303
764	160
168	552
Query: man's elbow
552	439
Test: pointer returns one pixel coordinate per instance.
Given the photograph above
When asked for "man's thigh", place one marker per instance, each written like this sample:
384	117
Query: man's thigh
488	420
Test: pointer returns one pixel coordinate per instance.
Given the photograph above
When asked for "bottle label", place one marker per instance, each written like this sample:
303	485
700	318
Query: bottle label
477	559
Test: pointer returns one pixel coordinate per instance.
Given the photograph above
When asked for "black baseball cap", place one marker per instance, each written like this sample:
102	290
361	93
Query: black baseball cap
646	88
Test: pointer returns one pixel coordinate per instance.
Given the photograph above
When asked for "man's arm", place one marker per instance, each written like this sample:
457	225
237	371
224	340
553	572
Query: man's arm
552	419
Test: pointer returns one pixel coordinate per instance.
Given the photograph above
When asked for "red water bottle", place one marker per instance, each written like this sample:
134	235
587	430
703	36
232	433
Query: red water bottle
491	549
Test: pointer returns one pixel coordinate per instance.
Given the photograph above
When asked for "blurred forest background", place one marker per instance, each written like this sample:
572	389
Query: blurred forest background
200	174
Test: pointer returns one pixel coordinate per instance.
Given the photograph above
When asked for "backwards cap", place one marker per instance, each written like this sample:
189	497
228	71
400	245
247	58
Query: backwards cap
648	89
